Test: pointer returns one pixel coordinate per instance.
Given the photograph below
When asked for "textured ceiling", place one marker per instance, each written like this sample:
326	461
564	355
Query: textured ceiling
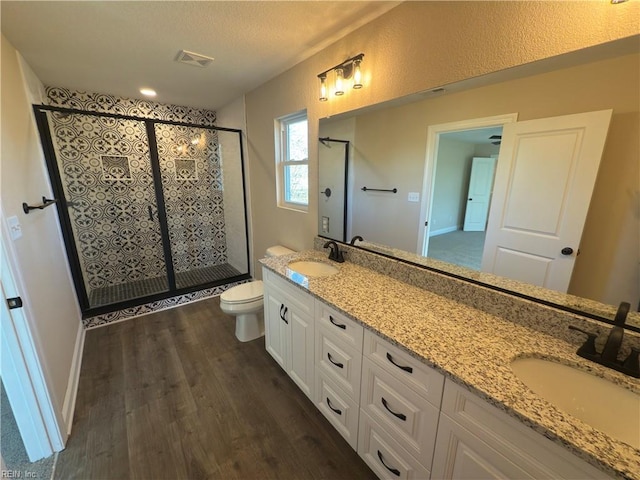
118	47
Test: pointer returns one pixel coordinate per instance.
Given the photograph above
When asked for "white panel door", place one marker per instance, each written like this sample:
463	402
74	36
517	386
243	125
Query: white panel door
544	181
479	194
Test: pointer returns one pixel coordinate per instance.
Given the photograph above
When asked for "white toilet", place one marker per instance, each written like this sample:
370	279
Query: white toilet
245	302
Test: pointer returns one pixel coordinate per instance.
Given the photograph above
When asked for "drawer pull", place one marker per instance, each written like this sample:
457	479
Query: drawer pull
337	364
339	412
401	367
401	416
283	314
395	471
339	325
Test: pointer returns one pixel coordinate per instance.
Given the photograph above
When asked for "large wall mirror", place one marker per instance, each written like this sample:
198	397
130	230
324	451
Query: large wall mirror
527	180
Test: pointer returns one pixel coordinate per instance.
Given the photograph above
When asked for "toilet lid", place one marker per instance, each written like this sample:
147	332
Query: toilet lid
247	292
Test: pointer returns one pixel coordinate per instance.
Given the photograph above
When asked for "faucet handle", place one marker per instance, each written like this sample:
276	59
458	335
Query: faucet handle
631	365
588	349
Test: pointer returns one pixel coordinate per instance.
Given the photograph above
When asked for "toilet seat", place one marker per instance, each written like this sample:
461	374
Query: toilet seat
244	293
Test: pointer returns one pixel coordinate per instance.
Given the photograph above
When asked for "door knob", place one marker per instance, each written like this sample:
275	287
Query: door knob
566	251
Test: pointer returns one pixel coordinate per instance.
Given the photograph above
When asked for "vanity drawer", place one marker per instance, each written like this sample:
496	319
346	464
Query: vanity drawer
384	455
408	417
340	362
339	326
421	378
338	407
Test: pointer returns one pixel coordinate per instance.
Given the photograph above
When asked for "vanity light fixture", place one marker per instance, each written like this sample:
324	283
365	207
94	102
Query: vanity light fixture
149	92
346	70
618	1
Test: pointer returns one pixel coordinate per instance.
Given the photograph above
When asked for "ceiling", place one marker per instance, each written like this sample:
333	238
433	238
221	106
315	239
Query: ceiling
119	47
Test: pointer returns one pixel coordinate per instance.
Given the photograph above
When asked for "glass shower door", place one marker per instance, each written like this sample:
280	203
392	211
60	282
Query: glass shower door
105	169
202	183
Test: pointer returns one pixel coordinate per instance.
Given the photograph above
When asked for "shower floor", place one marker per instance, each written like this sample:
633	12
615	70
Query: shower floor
151	286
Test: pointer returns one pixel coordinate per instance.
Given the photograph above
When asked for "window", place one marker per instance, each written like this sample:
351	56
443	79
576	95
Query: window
292	161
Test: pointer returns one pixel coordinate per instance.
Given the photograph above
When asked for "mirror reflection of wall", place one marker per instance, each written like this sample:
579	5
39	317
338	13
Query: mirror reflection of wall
463	180
335	158
389	151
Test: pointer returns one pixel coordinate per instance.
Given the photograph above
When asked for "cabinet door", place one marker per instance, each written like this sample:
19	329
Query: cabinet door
276	327
462	456
301	366
477	440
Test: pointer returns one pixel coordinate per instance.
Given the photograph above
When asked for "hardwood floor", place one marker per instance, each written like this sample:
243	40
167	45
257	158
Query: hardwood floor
174	395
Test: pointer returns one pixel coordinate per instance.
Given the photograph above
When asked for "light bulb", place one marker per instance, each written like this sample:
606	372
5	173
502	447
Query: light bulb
149	92
357	74
323	88
339	82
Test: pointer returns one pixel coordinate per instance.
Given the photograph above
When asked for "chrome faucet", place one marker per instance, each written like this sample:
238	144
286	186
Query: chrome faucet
609	355
335	254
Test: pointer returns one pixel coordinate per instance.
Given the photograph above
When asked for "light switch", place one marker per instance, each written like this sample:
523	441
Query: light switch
413	197
14	227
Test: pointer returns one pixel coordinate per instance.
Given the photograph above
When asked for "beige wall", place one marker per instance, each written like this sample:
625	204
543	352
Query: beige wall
39	256
415	46
450	185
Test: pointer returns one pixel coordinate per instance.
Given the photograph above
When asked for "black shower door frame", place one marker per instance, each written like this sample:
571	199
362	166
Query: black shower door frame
40	112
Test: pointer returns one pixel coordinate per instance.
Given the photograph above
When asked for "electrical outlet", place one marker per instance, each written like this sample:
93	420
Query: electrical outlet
14	227
325	224
413	197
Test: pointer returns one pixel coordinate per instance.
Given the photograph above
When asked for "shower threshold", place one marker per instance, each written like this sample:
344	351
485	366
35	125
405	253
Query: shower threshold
151	286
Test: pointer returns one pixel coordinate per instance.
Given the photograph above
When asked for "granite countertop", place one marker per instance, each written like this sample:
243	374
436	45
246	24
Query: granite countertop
471	347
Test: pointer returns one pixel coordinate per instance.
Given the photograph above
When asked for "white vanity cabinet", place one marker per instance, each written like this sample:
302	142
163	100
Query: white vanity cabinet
400	405
401	416
338	353
289	329
476	440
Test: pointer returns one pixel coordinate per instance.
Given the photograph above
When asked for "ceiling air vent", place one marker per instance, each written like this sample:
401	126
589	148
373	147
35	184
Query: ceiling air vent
194	59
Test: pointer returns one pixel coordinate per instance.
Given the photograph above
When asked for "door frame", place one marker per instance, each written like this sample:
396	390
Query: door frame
430	164
41	428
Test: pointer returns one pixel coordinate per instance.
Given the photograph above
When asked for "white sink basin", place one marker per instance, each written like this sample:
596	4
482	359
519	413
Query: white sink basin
313	269
605	406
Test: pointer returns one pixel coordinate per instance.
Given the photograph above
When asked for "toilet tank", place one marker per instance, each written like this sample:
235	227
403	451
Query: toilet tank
278	250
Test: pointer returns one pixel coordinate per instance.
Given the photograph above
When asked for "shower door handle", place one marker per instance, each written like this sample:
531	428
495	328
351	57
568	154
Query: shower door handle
150	213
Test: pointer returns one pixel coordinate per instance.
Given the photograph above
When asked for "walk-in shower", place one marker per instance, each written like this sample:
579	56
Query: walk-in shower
149	208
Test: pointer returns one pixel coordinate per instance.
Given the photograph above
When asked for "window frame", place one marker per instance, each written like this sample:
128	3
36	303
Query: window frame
283	161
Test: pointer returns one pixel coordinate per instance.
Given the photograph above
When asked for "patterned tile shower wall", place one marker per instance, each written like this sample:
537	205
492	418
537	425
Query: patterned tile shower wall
192	185
106	174
105	166
104	103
